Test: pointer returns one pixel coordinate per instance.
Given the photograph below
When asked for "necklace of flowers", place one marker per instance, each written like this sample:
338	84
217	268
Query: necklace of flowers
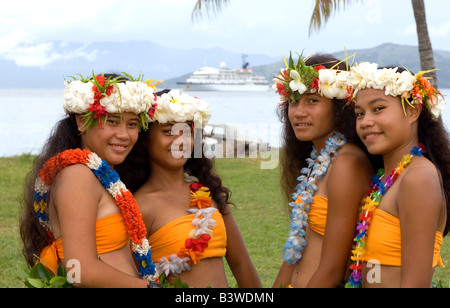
371	203
111	182
303	197
199	237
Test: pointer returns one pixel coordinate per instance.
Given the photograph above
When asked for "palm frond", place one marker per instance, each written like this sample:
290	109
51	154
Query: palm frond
208	7
322	11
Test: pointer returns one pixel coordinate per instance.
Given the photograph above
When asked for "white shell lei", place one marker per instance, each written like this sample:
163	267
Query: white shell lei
296	242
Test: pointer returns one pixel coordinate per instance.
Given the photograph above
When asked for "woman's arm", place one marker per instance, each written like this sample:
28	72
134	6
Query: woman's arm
347	183
237	255
419	203
284	276
77	194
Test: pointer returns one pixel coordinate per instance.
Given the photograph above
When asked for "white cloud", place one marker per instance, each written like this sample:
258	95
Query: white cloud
441	31
21	48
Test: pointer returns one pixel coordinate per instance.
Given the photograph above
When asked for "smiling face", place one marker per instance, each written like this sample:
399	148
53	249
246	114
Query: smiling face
170	145
311	117
381	122
111	140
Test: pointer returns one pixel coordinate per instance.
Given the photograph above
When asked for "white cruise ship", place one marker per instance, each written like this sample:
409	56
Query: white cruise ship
224	79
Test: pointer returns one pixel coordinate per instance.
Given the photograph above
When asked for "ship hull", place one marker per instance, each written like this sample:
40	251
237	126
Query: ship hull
221	87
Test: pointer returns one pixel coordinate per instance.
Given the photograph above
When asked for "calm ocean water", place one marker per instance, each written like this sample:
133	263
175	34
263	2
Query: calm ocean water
30	114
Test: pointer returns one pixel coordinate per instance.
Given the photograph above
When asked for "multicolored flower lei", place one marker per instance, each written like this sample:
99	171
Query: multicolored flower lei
111	182
371	203
303	196
198	238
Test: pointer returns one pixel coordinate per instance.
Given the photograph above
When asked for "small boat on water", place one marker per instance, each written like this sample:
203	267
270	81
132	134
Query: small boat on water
225	79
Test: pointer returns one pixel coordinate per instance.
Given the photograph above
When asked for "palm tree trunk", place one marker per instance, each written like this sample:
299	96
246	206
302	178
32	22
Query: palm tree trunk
425	48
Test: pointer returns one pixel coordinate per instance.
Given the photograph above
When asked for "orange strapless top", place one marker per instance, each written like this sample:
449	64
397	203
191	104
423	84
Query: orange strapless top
317	216
111	235
384	240
169	239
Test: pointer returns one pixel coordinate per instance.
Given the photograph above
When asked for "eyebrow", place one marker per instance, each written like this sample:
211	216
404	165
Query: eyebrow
116	116
375	100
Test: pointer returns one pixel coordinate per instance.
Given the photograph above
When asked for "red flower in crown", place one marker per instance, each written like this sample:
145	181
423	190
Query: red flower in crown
315	84
97	109
281	89
151	112
319	67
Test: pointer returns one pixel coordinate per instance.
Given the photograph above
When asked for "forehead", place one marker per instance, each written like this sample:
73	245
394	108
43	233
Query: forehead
370	96
126	116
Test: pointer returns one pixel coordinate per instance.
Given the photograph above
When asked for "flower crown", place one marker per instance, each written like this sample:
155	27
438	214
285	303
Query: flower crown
296	80
404	84
99	96
175	106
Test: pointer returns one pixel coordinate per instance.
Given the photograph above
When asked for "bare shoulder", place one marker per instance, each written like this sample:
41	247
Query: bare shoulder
76	177
421	180
353	159
76	192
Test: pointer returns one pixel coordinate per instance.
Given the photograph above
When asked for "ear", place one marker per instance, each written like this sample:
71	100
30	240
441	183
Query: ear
80	123
413	113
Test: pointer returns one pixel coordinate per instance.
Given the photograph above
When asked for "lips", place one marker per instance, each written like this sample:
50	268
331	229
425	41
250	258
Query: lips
119	147
369	136
302	125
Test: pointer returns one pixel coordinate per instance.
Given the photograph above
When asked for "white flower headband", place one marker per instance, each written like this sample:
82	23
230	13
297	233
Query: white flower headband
296	80
404	84
175	106
100	96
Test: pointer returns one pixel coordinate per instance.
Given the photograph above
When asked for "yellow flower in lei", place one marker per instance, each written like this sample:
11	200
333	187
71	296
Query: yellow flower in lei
371	202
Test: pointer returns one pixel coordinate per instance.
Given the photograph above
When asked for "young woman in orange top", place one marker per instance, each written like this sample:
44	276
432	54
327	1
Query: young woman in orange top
184	205
323	172
77	211
406	215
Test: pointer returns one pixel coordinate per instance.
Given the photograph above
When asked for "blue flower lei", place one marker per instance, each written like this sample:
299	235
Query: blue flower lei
292	251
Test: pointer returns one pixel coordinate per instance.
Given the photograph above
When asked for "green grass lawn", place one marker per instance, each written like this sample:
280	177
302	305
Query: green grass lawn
260	214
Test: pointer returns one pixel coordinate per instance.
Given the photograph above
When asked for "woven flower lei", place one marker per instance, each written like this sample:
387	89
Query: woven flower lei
198	238
111	181
371	203
303	196
179	107
404	84
299	78
98	96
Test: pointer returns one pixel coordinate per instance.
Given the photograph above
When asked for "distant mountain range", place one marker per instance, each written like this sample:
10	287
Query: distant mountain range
384	55
64	59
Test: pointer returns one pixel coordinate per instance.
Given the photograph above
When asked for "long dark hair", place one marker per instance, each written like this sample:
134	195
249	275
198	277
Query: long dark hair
295	152
64	136
435	137
136	169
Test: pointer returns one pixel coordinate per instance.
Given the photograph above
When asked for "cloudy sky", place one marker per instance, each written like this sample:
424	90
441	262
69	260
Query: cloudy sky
28	28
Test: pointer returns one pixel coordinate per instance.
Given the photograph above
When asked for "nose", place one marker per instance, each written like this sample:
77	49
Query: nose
122	131
299	110
366	121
